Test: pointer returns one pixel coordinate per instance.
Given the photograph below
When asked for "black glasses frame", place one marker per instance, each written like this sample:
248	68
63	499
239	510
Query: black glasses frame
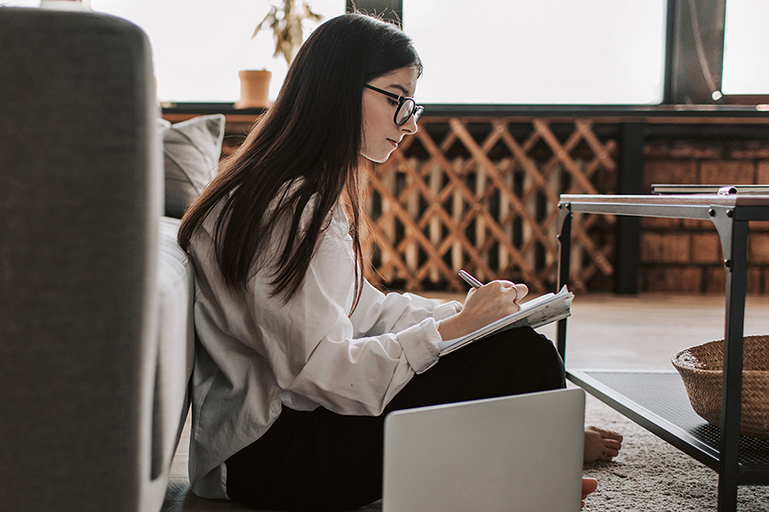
416	111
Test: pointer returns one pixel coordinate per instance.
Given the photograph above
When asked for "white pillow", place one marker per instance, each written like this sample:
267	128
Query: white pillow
191	151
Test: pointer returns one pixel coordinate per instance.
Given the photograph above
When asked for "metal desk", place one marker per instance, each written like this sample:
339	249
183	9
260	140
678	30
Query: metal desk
657	400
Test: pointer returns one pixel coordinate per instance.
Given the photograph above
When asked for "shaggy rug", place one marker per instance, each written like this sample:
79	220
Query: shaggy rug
651	475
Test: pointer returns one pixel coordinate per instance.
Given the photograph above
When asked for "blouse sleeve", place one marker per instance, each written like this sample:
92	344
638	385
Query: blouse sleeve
349	364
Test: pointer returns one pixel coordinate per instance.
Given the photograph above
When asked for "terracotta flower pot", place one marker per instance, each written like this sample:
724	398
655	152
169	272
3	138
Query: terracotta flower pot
254	89
66	5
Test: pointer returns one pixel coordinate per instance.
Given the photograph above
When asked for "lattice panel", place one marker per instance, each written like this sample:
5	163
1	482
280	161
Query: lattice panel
482	195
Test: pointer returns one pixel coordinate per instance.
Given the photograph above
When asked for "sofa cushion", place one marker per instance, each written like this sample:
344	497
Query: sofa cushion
191	152
175	336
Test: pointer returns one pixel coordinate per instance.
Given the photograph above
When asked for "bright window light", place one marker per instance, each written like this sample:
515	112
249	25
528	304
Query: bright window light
746	43
498	51
543	52
199	46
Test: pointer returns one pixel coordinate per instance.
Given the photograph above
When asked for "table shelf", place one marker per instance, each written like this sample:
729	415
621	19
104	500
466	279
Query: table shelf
657	401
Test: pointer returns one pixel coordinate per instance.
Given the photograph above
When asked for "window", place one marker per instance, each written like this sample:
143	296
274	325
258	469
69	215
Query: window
497	51
199	45
544	52
746	42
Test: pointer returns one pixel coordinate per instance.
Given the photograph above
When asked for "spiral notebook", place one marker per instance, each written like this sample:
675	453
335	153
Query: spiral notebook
542	310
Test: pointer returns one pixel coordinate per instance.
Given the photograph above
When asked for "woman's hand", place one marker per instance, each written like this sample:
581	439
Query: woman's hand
484	305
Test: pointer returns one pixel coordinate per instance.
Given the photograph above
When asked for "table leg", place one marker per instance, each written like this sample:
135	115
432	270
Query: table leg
733	236
564	261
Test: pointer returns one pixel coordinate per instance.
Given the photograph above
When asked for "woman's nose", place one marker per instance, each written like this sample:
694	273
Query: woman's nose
410	126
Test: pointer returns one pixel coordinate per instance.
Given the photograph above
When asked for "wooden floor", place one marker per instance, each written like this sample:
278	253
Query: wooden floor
604	331
607	331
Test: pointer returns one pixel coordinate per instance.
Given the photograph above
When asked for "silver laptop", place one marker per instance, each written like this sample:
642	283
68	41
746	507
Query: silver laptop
521	452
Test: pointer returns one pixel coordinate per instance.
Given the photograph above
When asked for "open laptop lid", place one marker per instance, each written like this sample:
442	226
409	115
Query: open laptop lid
521	452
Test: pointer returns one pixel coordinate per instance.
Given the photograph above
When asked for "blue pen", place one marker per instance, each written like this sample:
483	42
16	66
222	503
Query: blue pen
470	279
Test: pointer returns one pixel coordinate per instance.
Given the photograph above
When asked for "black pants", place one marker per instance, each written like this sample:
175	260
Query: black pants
320	460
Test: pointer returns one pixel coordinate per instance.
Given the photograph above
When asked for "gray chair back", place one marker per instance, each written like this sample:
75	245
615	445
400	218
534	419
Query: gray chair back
80	196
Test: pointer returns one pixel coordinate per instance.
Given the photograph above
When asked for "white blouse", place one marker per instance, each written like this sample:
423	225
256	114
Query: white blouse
256	353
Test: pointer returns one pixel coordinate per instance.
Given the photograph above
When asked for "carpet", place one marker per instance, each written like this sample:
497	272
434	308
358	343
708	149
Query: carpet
651	475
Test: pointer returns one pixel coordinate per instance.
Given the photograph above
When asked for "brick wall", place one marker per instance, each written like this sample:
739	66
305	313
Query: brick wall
685	255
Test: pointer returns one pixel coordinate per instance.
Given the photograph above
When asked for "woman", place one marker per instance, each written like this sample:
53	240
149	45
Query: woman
300	358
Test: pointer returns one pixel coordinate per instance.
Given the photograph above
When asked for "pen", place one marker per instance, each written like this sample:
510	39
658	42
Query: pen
470	279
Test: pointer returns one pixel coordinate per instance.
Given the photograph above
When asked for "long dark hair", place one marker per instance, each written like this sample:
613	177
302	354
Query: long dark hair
310	139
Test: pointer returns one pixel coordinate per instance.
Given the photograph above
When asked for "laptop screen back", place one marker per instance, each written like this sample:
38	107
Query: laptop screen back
521	452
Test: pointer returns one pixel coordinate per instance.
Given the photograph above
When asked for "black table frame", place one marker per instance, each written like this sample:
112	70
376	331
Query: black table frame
731	215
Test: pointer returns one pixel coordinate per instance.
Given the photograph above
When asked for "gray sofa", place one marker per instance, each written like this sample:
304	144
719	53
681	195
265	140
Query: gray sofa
96	339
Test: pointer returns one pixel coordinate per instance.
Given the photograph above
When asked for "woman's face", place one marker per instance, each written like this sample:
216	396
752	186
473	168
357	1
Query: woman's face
381	135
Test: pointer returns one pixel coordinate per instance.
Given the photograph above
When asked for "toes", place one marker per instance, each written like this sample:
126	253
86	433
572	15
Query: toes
608	455
589	485
606	434
601	444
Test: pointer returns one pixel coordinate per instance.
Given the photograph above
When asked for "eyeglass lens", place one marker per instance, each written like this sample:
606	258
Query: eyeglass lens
406	109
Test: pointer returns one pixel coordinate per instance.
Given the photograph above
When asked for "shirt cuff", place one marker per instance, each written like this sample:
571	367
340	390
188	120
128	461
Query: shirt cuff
420	344
446	310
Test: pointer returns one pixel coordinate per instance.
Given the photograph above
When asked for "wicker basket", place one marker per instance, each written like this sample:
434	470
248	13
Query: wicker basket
701	368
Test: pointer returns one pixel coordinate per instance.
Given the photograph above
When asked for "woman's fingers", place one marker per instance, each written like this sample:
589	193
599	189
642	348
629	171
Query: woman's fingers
516	290
502	290
521	291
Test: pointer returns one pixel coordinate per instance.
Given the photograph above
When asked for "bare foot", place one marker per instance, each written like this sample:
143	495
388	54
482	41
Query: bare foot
588	485
601	444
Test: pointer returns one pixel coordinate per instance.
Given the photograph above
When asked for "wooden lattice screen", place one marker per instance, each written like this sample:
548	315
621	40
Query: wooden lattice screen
481	194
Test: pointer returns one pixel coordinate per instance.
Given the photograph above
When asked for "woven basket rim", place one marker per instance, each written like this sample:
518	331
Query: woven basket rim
718	372
680	366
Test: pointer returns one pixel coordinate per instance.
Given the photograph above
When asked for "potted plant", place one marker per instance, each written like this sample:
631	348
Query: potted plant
66	5
286	21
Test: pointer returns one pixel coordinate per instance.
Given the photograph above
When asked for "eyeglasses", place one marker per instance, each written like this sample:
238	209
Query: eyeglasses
407	107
